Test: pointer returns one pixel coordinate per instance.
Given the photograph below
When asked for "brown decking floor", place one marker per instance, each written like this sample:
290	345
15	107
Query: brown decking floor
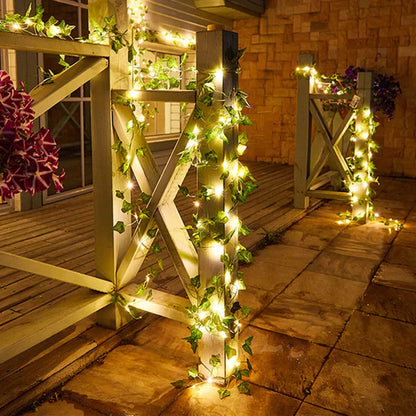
62	234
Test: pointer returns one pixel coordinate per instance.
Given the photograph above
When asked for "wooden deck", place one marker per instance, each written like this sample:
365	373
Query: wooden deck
62	234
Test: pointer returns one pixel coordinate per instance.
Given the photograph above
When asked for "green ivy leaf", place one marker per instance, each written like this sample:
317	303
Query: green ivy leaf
160	264
215	361
221	217
244	388
141	289
245	311
145	198
126	207
120	194
193	373
242	138
244	230
245	255
178	383
141	151
152	232
196	281
249	366
230	351
119	227
184	190
235	307
223	393
247	345
205	303
156	248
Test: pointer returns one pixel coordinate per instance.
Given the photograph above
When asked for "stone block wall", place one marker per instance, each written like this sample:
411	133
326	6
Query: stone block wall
378	35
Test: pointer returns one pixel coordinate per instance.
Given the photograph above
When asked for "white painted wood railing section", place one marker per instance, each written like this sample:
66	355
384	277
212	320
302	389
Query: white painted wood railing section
329	145
118	257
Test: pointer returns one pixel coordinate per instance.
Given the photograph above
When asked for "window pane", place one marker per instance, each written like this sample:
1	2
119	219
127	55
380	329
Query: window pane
64	123
87	144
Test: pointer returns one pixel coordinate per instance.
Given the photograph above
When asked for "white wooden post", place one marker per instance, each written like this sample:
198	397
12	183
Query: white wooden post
303	134
109	245
217	50
360	189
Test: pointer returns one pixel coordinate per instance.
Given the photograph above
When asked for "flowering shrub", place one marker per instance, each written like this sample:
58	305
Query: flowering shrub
28	160
385	89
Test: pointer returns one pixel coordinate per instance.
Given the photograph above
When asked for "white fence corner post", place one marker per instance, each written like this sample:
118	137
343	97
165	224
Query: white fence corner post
303	133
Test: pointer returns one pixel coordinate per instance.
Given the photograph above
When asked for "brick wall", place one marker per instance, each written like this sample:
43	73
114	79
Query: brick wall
378	35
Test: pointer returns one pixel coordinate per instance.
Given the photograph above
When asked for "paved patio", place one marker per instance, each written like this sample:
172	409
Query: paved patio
334	314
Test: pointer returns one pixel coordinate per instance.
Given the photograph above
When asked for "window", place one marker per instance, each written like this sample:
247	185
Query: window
69	120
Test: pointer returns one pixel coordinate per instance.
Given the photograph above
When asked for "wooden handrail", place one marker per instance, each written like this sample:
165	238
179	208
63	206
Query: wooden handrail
23	42
167	96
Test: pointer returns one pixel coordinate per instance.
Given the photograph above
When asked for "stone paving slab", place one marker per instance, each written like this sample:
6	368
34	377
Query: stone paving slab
331	290
203	400
311	321
131	380
282	363
309	410
400	277
390	302
372	232
267	275
284	255
314	233
382	338
361	386
167	335
346	267
329	210
403	255
257	299
345	245
406	238
62	408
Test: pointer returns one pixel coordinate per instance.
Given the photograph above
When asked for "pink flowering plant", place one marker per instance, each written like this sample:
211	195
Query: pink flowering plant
28	160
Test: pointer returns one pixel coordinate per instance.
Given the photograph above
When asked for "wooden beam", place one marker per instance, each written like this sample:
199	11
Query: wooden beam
234	9
323	179
216	49
161	303
29	43
342	196
63	84
303	133
169	96
336	97
54	272
28	331
326	134
164	48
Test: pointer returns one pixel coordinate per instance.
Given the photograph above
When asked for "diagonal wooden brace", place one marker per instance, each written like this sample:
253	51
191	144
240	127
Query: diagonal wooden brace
162	210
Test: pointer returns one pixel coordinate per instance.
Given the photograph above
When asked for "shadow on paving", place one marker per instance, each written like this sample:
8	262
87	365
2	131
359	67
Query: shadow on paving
333	320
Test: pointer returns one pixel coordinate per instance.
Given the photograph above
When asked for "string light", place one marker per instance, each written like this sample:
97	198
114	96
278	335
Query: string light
218	74
241	149
218	190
